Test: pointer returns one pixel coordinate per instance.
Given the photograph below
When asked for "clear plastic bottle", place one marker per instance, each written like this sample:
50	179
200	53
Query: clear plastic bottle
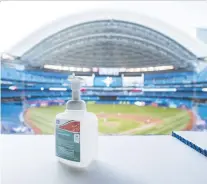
76	131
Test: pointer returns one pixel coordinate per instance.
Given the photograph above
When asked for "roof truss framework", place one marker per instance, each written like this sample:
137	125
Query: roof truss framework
109	43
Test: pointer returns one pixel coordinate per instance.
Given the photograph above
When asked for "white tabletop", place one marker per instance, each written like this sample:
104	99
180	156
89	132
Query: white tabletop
29	159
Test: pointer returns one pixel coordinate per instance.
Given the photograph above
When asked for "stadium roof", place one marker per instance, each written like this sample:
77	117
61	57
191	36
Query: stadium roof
109	39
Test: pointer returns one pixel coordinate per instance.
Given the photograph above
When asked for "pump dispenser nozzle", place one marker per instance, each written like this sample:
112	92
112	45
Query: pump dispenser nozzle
76	83
75	86
76	103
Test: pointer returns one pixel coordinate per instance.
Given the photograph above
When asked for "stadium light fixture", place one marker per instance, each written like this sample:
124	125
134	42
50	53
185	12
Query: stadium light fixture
150	68
130	69
122	69
53	68
72	69
86	69
163	67
138	69
79	69
156	68
170	67
57	67
65	68
95	69
143	69
48	66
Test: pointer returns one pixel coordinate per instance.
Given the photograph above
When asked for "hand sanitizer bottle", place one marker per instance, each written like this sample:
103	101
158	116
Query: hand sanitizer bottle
76	131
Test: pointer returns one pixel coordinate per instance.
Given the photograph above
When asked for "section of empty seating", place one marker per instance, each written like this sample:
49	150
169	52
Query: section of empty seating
30	94
202	76
160	101
28	76
49	78
171	78
10	116
202	111
58	75
46	93
12	119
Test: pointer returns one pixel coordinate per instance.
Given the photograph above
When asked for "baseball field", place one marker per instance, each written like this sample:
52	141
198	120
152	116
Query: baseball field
118	119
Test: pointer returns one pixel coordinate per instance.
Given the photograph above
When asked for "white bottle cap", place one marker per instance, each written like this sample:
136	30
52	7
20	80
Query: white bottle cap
75	83
76	103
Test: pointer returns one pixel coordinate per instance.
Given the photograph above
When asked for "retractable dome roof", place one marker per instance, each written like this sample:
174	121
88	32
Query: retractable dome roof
109	39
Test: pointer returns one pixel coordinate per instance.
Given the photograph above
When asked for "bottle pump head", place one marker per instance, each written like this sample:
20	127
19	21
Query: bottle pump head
76	83
75	103
75	87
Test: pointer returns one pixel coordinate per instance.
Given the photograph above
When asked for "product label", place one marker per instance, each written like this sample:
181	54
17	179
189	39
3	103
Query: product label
68	139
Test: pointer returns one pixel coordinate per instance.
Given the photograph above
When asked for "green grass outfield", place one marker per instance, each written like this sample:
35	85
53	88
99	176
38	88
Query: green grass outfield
115	121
